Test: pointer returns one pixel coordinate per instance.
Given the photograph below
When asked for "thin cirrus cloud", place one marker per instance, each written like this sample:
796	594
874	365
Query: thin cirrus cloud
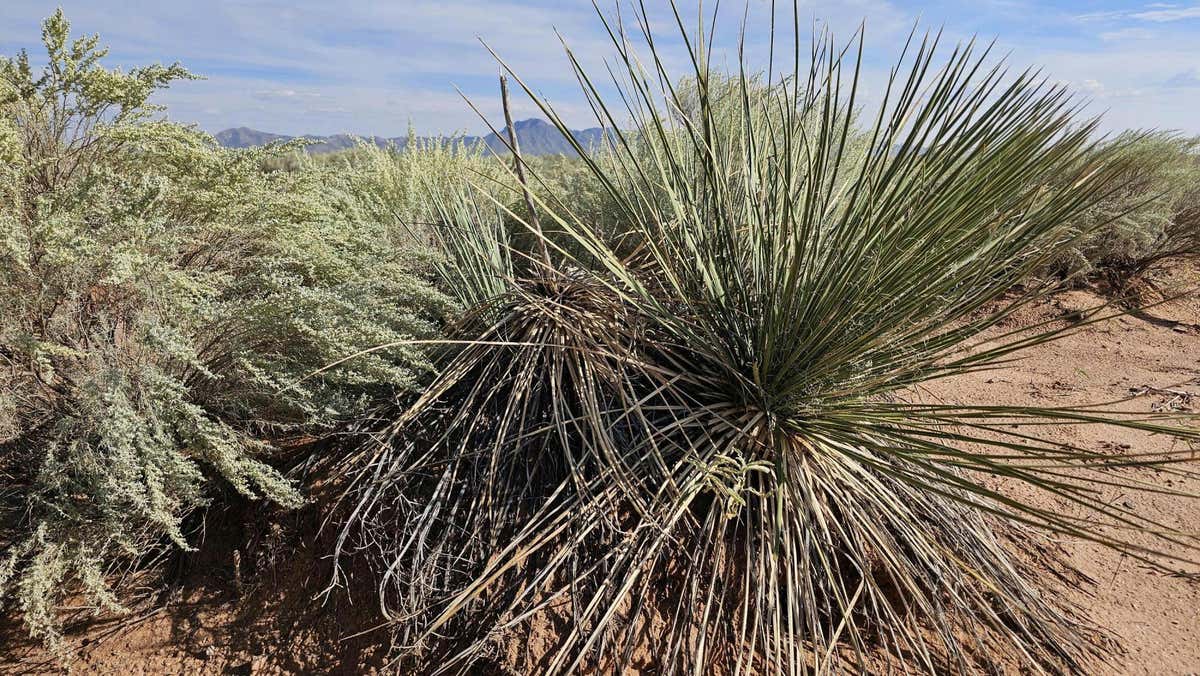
1153	13
312	66
1188	79
1165	13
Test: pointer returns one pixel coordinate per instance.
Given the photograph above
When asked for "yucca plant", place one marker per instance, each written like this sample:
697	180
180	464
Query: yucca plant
697	444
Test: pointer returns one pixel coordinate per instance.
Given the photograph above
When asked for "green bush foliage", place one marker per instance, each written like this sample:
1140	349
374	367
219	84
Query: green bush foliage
164	305
1149	216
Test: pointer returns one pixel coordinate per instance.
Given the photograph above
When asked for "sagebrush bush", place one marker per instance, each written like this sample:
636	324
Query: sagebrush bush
1149	216
396	183
165	307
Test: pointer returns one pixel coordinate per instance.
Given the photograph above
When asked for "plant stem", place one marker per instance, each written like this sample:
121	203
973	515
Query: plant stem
519	168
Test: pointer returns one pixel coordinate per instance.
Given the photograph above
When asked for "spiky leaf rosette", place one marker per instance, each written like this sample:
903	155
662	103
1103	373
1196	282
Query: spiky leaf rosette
707	453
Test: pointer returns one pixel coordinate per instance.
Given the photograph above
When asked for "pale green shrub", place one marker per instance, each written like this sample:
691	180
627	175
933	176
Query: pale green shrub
394	184
164	308
1150	216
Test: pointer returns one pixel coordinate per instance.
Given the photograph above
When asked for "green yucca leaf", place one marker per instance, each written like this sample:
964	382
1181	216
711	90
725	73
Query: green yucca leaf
696	440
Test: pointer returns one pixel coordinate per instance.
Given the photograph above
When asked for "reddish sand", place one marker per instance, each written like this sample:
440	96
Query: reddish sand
275	623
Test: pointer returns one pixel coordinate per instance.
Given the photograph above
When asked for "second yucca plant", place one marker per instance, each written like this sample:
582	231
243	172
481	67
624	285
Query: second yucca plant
692	442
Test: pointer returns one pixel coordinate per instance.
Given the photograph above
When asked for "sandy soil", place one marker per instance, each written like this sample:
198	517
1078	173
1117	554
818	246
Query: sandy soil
1152	356
257	609
249	602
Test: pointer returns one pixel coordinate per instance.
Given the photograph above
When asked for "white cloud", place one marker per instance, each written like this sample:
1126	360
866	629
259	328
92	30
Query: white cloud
1153	13
290	94
1187	79
1127	34
1167	15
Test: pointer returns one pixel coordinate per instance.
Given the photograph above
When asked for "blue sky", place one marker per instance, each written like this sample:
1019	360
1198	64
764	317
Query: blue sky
369	66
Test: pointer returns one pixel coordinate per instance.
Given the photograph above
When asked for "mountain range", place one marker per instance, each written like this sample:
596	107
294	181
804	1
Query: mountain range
536	137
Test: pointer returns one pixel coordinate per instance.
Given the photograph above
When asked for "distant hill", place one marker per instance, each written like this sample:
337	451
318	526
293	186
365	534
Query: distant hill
537	137
245	137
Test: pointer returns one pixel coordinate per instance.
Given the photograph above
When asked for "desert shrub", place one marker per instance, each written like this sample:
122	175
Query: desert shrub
396	183
1150	216
705	453
164	305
